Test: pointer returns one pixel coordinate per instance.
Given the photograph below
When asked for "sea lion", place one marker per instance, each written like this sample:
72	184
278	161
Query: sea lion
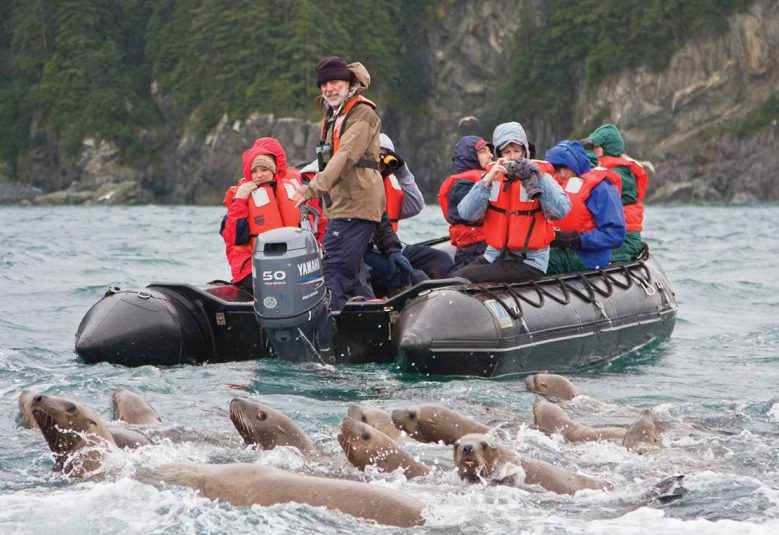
479	458
376	418
250	484
76	435
550	385
133	409
550	418
124	437
267	427
431	423
642	433
365	445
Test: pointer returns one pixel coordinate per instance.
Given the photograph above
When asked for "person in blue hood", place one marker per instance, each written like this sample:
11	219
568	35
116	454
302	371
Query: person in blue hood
504	264
471	155
596	223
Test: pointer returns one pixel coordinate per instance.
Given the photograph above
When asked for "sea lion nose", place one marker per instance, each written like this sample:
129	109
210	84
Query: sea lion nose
38	398
468	449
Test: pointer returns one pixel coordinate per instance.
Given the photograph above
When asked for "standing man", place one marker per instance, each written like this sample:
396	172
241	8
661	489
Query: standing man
348	180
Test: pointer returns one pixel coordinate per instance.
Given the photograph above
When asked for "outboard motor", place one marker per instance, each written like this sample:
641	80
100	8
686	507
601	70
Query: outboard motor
290	298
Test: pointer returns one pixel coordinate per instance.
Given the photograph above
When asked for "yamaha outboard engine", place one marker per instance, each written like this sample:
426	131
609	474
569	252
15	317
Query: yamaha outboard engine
290	299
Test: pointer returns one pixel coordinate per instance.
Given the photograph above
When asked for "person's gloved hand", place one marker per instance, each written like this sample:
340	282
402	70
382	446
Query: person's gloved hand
523	169
398	262
392	160
566	240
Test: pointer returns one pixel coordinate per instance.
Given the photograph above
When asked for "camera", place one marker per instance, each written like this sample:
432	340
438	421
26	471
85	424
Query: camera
521	170
391	161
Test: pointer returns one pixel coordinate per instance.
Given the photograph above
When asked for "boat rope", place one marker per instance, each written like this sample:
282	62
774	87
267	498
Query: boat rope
587	292
515	311
566	299
623	285
594	287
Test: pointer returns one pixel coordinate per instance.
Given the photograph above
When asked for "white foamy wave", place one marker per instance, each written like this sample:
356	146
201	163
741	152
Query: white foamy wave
637	523
773	412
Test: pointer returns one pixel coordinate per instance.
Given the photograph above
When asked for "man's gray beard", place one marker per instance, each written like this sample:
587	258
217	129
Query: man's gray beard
336	104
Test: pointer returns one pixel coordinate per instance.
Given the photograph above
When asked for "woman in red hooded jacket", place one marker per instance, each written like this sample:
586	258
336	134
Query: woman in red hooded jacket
260	201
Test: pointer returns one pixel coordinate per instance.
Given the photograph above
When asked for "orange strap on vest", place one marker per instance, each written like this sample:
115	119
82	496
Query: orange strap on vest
339	125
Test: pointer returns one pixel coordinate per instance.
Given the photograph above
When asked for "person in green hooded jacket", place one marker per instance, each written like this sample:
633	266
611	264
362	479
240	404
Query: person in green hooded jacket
606	148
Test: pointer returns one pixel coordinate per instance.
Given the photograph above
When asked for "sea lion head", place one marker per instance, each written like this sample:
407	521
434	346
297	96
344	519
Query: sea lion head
133	409
551	385
71	428
376	418
266	427
548	416
642	433
364	445
473	455
407	420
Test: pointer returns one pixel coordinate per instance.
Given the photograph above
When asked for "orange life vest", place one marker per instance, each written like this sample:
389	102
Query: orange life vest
460	234
339	125
579	218
512	220
394	196
634	212
269	207
611	175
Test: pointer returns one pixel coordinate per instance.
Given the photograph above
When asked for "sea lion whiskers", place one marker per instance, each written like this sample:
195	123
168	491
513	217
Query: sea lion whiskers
471	463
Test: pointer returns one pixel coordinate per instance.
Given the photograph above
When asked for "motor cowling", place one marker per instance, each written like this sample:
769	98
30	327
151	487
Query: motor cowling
290	298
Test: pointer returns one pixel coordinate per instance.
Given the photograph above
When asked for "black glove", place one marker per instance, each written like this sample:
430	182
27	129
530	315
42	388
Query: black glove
398	262
566	240
392	161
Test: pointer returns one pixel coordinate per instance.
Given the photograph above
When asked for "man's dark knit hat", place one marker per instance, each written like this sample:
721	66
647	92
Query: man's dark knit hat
332	68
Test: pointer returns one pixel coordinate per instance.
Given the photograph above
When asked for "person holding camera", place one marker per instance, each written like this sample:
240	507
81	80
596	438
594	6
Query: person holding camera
400	188
596	223
518	202
393	266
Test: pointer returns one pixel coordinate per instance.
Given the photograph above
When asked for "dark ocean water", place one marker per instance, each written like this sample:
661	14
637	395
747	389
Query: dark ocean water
714	386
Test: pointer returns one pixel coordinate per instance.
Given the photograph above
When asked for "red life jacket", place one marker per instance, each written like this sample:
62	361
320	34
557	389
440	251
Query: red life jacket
634	213
579	218
269	207
611	175
460	234
394	196
513	221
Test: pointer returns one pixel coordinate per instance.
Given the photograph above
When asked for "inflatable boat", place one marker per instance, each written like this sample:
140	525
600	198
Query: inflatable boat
443	327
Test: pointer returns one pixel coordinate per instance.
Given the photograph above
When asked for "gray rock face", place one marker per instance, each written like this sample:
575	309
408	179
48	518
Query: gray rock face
708	83
466	58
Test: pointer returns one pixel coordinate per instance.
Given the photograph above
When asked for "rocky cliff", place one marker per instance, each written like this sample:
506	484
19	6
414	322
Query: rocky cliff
701	121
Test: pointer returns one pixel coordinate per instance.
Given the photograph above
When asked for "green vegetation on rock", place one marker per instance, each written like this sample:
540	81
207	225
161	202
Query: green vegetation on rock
570	45
113	69
767	113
